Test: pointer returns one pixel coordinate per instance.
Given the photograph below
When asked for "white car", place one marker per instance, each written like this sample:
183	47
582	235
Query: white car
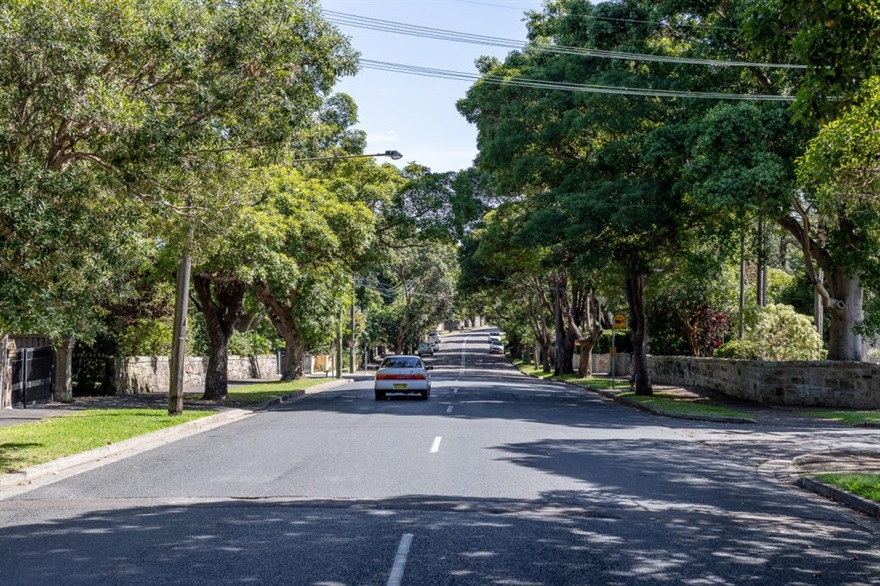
402	374
496	346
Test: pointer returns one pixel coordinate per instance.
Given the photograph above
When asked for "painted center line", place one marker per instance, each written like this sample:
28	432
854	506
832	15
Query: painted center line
463	357
435	447
400	560
449	410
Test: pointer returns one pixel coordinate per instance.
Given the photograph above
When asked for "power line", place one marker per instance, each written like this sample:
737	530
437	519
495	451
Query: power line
561	86
399	28
612	19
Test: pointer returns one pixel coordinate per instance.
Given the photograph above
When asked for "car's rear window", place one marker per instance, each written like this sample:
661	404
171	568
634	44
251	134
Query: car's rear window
401	362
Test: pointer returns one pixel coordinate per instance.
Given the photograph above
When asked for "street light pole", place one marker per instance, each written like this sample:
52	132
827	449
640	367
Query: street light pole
181	300
351	365
391	154
178	343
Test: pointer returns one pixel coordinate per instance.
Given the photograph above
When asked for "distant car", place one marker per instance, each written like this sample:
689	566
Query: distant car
402	374
434	338
496	346
494	336
426	349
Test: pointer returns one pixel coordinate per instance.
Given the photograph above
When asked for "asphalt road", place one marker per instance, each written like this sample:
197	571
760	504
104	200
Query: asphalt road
496	479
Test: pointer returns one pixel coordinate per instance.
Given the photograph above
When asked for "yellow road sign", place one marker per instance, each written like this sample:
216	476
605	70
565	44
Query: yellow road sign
619	321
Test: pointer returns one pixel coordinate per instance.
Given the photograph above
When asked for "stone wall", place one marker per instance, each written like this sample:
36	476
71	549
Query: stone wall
150	374
602	363
819	384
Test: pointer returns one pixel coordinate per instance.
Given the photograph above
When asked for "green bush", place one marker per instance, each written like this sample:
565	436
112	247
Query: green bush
249	344
783	334
146	337
622	342
775	332
738	349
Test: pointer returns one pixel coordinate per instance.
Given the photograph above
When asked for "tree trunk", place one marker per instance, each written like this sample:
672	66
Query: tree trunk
587	345
545	351
280	314
844	343
844	299
566	365
635	296
221	303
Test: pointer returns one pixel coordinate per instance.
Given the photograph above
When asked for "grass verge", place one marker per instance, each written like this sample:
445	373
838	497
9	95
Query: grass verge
596	382
668	403
865	484
30	444
850	417
688	406
257	393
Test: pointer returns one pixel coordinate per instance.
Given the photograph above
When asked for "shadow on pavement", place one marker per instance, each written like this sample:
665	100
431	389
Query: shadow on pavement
564	537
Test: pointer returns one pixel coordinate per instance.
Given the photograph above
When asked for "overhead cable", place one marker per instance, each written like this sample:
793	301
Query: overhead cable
561	86
613	19
342	18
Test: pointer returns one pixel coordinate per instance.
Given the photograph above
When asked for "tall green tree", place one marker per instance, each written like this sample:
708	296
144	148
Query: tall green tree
307	239
839	43
603	171
157	103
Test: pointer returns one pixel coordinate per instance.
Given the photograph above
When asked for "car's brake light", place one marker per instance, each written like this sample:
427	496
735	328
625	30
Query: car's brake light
416	376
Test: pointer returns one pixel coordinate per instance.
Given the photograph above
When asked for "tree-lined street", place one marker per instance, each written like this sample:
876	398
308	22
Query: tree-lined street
497	478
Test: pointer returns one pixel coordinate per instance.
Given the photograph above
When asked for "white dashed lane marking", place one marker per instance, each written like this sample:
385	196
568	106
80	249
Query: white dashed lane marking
400	560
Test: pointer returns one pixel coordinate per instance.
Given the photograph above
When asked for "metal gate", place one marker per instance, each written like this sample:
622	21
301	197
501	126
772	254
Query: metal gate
32	376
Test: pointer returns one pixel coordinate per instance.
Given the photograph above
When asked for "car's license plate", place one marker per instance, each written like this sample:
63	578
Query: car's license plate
400	385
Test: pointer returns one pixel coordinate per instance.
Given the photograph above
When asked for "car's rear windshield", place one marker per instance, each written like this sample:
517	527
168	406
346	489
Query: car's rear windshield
401	362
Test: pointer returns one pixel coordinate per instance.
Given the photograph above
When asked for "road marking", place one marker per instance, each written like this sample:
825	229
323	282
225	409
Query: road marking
454	390
400	560
463	356
435	447
449	409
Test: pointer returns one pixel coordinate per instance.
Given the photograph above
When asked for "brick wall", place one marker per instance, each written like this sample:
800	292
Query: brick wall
820	384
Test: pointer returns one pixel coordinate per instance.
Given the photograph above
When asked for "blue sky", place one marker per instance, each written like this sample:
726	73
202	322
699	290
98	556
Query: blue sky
417	115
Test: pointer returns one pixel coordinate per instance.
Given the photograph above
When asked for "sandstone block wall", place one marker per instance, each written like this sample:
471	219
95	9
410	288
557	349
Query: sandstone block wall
151	374
853	385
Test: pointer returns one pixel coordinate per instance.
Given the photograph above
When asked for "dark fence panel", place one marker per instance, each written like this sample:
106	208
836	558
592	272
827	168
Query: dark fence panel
32	375
93	374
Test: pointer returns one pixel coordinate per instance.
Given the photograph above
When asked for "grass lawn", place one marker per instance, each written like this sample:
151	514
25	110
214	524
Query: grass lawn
850	417
29	444
257	393
863	484
596	382
687	406
672	404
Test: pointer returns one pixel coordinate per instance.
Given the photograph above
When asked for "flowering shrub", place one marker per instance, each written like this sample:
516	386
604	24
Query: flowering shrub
783	334
777	333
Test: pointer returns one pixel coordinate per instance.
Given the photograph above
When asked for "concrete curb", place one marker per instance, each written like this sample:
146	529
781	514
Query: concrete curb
18	482
849	499
296	395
